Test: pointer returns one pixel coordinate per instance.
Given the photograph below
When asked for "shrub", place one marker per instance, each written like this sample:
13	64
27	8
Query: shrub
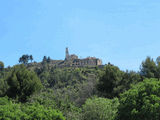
142	101
100	109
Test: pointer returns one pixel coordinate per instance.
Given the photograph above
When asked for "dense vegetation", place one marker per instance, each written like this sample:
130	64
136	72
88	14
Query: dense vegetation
45	92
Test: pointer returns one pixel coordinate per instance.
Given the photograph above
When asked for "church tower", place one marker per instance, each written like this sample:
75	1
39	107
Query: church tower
67	54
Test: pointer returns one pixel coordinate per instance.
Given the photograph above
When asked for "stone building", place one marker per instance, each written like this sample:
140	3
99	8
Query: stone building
70	61
73	60
70	57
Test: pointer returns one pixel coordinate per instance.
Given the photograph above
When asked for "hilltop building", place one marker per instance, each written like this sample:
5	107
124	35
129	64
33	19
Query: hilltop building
70	57
73	60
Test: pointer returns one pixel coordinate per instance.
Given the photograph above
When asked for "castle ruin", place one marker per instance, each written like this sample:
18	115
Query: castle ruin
73	60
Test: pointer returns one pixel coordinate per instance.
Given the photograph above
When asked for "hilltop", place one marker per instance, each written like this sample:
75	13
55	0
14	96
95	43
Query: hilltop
78	91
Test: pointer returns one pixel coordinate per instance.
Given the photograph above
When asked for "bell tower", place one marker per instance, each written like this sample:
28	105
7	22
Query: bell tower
67	54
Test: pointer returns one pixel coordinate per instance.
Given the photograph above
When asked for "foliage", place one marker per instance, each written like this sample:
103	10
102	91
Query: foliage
48	98
142	101
39	112
129	78
113	81
1	65
71	90
158	60
46	60
110	80
22	83
66	89
78	92
62	77
158	70
3	87
10	111
25	59
15	111
100	109
148	68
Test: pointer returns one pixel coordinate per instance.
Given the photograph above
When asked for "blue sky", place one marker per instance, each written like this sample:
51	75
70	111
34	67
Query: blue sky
123	32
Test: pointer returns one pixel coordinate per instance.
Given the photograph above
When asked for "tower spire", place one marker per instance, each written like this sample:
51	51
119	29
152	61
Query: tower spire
67	54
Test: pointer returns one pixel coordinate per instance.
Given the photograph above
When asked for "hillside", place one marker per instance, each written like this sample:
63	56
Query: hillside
78	93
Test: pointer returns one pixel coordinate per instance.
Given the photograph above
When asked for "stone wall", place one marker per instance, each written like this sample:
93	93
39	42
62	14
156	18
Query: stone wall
86	62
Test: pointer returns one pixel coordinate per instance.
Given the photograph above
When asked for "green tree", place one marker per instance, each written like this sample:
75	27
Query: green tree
22	83
110	80
31	58
129	78
39	112
3	87
1	65
25	59
158	70
47	98
158	60
100	109
48	60
148	68
142	101
14	111
44	59
10	111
